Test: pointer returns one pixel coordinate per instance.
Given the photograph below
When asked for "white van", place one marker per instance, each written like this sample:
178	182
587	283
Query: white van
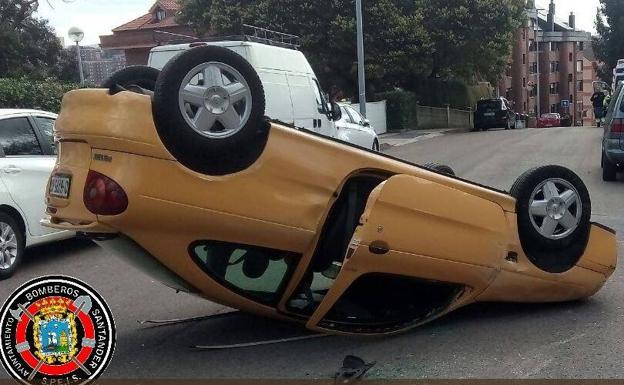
293	93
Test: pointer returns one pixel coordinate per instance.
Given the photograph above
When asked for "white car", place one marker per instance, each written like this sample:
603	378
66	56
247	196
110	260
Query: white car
293	93
27	157
354	128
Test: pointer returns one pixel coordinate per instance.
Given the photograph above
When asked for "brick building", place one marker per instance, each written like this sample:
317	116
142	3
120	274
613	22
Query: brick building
554	60
157	27
99	65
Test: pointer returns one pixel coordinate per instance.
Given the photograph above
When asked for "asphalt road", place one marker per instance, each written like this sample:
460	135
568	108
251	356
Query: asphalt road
573	340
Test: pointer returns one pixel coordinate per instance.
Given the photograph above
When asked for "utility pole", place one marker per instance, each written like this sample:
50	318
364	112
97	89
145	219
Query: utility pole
360	49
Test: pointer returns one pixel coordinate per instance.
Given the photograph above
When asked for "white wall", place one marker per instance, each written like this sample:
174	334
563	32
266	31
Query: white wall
376	114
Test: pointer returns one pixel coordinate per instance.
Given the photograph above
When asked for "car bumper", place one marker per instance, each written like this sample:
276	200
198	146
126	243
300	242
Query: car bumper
613	151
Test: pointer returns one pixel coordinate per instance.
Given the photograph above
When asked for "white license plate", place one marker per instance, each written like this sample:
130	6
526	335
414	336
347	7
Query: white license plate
489	114
59	186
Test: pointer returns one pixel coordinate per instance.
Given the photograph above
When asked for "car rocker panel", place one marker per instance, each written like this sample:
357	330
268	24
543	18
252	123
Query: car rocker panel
338	238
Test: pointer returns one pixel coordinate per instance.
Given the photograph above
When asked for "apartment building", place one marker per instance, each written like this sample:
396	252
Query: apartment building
552	67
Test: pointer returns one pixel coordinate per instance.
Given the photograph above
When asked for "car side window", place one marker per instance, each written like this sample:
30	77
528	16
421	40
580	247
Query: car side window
17	137
357	118
255	272
46	127
320	99
346	117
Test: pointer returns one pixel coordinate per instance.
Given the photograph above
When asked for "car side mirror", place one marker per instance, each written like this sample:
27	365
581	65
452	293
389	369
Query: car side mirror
336	112
366	123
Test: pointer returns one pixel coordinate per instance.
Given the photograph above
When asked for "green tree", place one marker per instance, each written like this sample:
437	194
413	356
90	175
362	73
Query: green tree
405	39
608	42
28	46
471	38
66	68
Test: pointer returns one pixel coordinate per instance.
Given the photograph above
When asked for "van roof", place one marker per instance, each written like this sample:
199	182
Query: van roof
260	55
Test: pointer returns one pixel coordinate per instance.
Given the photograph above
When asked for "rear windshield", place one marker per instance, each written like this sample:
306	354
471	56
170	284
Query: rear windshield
488	105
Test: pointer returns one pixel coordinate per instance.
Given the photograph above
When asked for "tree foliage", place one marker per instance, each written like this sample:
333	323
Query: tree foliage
45	94
28	45
608	43
405	40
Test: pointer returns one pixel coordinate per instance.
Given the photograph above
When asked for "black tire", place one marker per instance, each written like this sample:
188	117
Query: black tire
132	77
440	168
609	170
551	255
20	240
200	153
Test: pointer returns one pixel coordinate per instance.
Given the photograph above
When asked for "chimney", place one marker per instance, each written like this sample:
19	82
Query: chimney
551	15
572	21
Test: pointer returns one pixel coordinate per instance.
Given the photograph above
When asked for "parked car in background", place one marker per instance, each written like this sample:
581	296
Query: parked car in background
494	113
354	128
549	120
613	137
27	157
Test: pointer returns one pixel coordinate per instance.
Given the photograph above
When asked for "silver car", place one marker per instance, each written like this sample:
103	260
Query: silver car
613	138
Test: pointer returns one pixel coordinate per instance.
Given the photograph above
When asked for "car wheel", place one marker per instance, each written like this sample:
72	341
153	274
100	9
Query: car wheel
553	209
12	244
439	168
376	145
209	109
609	170
132	78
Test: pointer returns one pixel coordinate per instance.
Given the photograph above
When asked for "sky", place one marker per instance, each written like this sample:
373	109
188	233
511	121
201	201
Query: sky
99	17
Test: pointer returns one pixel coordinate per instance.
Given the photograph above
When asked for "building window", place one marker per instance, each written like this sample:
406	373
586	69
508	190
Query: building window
554	66
523	82
523	34
160	14
553	108
554	88
581	45
579	85
570	56
532	45
533	68
579	66
570	78
525	106
523	58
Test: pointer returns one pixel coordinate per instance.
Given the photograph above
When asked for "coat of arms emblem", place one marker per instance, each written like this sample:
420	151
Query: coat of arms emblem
55	331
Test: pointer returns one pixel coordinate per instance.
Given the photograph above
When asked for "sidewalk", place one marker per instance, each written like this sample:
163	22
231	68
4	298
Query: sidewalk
393	139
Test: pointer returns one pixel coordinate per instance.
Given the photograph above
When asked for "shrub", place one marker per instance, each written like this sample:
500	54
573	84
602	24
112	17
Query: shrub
43	95
400	109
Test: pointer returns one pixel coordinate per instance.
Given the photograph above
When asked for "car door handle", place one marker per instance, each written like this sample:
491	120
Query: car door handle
11	170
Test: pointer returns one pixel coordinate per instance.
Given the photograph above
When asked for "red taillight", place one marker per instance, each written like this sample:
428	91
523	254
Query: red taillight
617	126
104	196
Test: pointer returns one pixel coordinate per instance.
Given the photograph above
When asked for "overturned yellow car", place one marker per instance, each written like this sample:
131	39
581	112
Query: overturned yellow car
180	173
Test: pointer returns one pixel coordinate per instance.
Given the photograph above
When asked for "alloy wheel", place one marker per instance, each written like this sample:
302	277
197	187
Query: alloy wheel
8	246
215	100
555	208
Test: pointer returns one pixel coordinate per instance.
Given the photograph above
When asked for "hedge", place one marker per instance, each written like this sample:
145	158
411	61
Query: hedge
401	105
43	95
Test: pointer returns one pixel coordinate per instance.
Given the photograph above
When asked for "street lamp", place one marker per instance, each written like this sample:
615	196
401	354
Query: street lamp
76	35
360	49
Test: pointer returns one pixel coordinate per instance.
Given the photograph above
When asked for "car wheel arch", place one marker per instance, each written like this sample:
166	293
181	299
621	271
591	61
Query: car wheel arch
19	218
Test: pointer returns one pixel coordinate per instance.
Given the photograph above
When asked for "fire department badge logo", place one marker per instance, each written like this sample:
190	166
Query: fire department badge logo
56	330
